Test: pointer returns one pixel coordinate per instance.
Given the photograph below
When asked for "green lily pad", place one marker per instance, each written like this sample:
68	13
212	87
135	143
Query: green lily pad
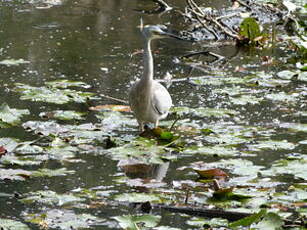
9	144
283	97
67	83
204	112
12	62
11	116
63	219
44	172
245	99
249	220
132	222
284	166
50	198
286	74
213	223
63	115
295	126
271	221
112	120
52	95
137	197
8	224
270	144
212	150
10	159
14	174
141	149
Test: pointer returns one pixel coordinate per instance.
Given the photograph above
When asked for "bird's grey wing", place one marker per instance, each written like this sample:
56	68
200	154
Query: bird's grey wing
161	99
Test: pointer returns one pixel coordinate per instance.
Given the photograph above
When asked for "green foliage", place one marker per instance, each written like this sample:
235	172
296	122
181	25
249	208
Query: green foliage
250	30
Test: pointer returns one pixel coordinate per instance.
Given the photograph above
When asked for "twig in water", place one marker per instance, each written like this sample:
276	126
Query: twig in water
115	99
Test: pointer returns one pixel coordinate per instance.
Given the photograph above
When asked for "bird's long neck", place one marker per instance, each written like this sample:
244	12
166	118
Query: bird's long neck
148	63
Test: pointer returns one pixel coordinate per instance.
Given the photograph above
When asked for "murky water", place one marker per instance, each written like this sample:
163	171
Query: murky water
98	42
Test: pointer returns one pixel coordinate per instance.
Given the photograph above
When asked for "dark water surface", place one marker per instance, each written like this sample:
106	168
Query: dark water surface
97	42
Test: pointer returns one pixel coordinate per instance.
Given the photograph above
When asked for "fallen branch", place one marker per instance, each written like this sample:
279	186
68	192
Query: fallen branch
203	212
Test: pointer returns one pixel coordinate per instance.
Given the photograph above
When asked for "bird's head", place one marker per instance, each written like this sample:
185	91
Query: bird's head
156	32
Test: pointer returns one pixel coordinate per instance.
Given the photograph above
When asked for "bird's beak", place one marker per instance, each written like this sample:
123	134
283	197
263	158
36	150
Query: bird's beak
172	35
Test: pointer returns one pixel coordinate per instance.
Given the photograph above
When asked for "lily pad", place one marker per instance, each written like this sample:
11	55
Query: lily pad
12	62
14	174
143	150
8	224
44	172
137	197
274	145
63	115
132	222
284	166
11	116
52	95
204	112
63	219
51	198
67	83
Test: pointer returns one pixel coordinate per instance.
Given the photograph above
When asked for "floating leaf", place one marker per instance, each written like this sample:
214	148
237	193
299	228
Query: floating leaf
118	108
286	74
204	112
283	166
11	116
211	173
67	83
143	150
63	115
271	221
53	95
14	174
7	224
137	197
132	222
274	145
63	219
225	194
202	222
10	62
247	221
50	198
44	172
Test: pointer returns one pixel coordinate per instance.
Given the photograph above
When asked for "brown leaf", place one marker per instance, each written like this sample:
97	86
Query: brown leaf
3	151
211	173
118	108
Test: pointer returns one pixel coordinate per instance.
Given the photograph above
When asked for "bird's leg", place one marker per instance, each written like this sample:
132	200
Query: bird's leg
156	124
141	126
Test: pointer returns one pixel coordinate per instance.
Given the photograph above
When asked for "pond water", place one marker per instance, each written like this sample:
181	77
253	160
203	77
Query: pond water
256	112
